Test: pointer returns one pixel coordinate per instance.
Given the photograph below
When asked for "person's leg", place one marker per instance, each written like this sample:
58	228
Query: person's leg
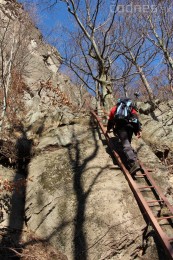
125	136
130	133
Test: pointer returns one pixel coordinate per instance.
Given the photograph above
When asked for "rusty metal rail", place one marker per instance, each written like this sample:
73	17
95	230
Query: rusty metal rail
147	206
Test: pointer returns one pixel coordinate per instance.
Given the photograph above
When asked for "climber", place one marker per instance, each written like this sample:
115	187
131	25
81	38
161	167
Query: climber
123	119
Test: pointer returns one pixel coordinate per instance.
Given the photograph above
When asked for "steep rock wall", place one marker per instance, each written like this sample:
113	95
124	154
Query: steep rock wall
46	88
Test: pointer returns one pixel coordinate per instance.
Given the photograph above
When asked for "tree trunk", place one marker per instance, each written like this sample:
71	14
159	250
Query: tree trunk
170	81
98	98
3	109
125	90
106	89
7	68
145	82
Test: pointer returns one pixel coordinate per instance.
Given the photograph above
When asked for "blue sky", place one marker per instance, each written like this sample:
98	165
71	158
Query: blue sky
51	19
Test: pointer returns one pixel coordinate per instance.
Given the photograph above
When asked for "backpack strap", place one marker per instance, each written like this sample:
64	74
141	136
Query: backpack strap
119	107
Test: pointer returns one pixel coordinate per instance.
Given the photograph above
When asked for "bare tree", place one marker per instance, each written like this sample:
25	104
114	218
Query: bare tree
96	44
102	48
135	48
7	55
110	48
93	47
14	41
158	28
122	76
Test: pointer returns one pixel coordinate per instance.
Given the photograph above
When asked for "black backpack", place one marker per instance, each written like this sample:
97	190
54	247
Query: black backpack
123	112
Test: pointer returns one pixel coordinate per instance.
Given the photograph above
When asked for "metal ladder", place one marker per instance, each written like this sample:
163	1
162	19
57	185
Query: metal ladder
162	224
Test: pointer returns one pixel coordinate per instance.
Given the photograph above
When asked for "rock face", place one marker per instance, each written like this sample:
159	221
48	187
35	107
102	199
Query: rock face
47	93
157	129
80	201
158	133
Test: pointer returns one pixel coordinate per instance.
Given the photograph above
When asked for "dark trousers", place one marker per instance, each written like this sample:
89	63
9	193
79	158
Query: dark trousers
125	135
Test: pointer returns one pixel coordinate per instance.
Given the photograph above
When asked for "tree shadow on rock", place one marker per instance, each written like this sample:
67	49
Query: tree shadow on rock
12	236
150	239
79	165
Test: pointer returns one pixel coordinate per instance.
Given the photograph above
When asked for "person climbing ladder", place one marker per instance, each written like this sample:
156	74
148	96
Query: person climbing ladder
123	119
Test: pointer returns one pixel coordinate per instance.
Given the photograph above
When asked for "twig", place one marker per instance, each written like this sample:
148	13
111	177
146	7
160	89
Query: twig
21	254
12	249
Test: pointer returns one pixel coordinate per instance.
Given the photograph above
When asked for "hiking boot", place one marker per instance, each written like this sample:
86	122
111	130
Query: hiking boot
134	168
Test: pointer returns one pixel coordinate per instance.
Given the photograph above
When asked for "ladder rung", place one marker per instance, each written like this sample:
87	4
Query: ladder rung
146	187
154	205
168	217
151	201
140	175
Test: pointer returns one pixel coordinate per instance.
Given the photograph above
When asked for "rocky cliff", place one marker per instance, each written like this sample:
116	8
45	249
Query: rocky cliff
49	96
